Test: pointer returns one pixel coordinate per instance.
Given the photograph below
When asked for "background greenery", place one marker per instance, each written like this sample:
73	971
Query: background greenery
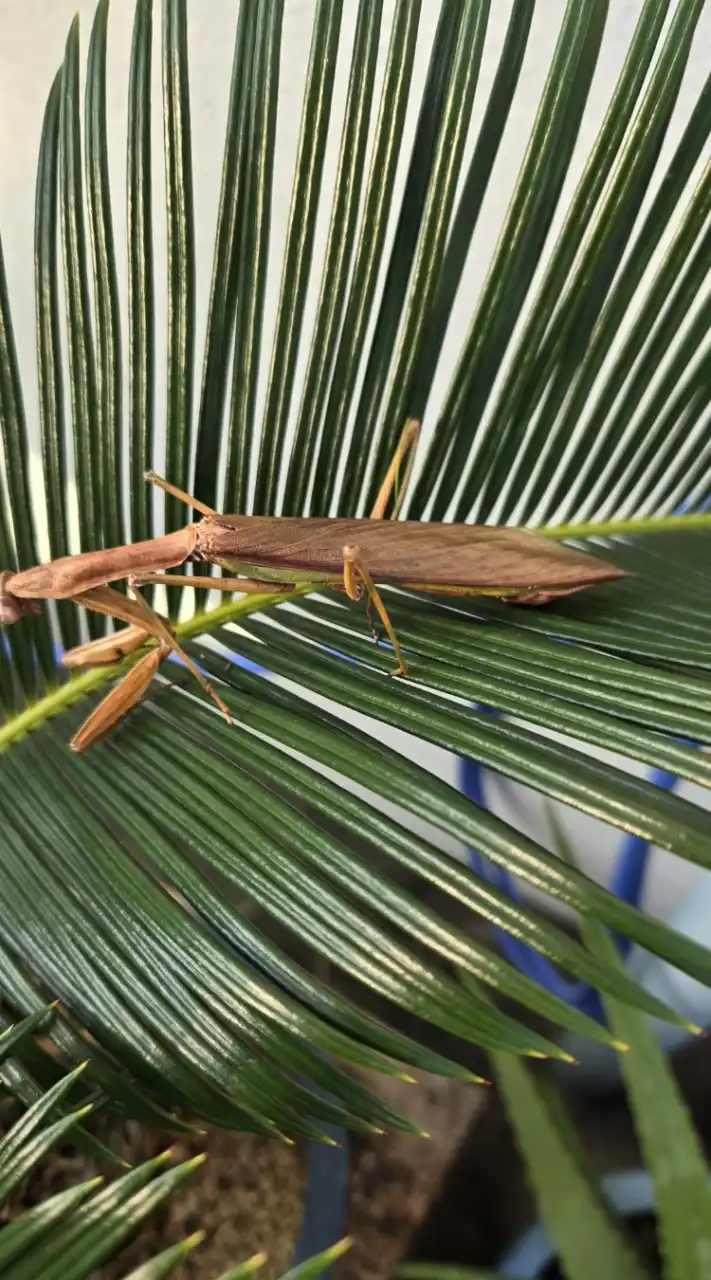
69	1234
577	403
587	1235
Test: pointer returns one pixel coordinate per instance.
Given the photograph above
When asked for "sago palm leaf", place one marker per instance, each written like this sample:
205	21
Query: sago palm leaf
125	871
68	1235
586	1233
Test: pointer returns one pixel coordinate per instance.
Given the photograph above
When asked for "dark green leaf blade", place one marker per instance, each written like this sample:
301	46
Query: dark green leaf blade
141	343
81	350
231	218
181	258
254	250
589	1239
108	367
299	247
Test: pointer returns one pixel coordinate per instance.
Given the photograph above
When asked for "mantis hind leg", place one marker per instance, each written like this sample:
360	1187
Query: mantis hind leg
405	452
406	449
353	569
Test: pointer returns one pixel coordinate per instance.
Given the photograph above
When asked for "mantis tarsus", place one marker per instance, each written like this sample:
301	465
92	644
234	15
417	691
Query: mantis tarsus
280	553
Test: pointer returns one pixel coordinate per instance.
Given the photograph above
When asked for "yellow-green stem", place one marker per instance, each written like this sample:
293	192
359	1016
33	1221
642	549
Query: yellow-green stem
79	686
639	524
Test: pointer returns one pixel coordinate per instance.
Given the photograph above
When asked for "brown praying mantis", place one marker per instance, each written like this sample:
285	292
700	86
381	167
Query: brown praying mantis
262	554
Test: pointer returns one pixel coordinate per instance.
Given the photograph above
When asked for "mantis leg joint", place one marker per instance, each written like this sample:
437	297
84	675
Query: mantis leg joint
353	569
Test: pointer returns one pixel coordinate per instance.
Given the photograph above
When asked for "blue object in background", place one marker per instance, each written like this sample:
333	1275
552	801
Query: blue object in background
599	1067
326	1199
598	1070
627	883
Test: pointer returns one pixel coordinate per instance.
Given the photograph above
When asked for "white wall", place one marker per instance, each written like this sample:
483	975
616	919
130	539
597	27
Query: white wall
32	35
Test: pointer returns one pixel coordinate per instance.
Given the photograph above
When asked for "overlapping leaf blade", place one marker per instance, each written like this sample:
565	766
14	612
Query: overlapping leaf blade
587	1234
671	1147
71	1233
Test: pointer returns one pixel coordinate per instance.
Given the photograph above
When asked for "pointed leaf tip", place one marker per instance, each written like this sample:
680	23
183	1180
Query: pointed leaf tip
192	1242
254	1263
341	1247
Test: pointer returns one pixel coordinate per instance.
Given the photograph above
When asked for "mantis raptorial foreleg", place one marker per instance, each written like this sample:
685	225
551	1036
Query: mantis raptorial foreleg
121	699
110	649
107	650
165	633
144	622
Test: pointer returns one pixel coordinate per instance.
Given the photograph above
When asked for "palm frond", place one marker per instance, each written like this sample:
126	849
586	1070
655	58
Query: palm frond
585	1229
72	1232
126	873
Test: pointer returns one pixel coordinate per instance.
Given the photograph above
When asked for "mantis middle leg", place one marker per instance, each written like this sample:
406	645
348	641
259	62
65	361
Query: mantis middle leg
354	568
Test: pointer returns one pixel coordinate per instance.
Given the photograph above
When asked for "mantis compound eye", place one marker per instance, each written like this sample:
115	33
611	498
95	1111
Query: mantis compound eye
12	608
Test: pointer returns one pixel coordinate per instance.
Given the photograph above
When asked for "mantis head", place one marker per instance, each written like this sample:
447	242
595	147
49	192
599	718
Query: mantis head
12	608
